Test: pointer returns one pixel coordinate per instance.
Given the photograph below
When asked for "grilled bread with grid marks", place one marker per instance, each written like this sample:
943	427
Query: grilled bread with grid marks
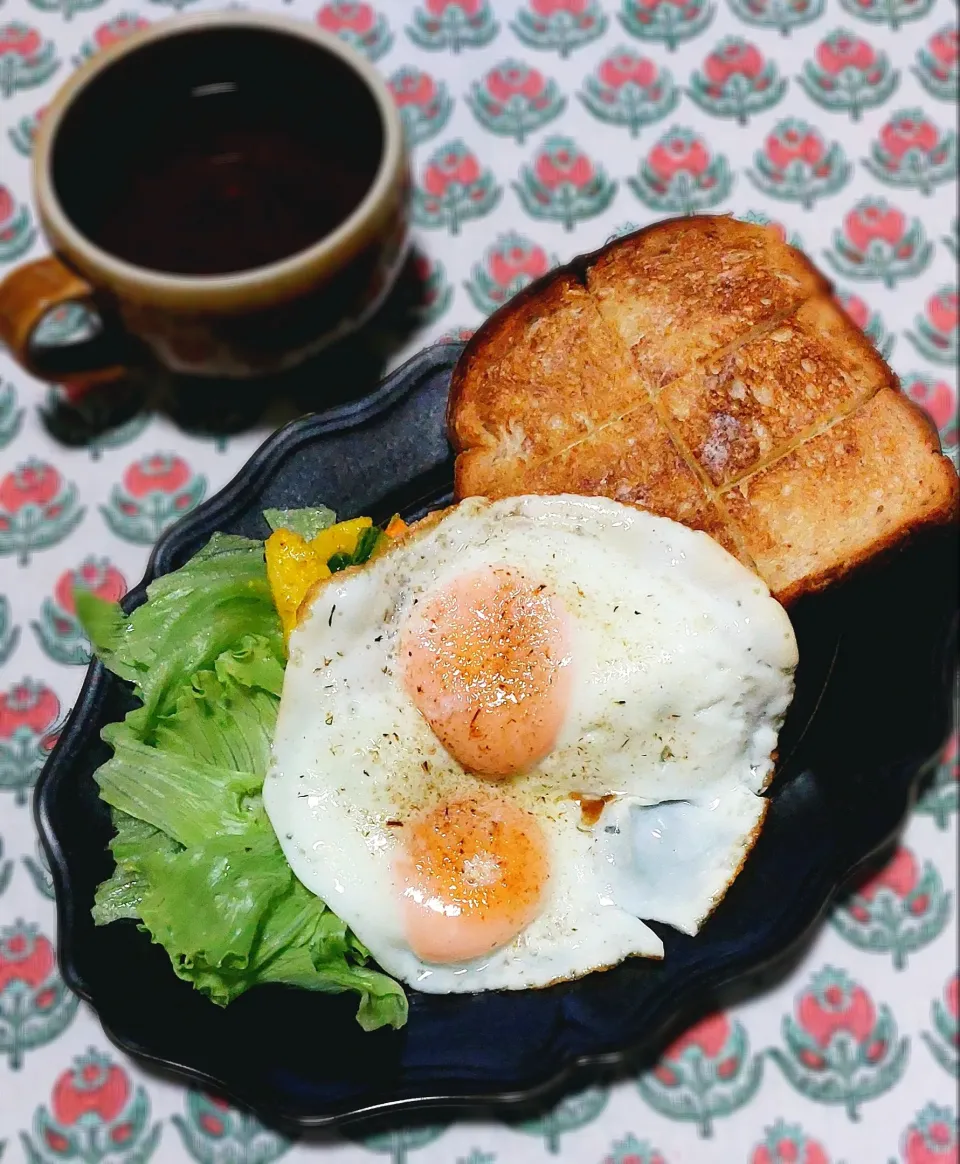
700	369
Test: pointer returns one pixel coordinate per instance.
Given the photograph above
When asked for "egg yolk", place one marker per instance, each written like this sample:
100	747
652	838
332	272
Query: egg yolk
484	661
472	873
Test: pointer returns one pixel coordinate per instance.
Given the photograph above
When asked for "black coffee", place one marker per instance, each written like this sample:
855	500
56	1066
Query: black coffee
217	151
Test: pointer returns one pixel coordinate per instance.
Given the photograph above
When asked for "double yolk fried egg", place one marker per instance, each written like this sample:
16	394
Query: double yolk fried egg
524	730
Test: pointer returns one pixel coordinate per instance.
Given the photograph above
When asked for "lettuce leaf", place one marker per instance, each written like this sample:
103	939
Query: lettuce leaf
190	617
305	522
121	894
208	901
197	861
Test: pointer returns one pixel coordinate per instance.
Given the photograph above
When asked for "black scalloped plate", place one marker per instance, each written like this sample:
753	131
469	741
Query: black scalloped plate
872	708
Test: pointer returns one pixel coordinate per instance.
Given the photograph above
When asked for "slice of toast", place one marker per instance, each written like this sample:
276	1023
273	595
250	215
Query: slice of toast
738	410
528	398
699	368
688	287
633	460
537	421
843	496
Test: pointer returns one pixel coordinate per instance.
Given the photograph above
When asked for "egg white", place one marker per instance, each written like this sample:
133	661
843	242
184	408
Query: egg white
682	670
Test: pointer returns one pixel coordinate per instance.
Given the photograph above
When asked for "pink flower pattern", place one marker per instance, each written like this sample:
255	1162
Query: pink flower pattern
621	47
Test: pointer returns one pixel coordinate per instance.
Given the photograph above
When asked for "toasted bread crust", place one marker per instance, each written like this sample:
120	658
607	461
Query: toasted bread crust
699	369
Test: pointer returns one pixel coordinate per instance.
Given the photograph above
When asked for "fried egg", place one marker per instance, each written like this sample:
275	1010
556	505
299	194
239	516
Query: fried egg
526	729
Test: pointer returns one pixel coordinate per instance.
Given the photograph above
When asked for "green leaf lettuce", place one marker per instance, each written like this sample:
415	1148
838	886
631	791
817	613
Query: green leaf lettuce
197	861
305	522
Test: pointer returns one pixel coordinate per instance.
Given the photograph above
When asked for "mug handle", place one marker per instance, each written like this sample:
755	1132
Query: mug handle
31	292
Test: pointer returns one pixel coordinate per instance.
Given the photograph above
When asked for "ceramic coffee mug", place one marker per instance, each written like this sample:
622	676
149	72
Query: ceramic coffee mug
227	191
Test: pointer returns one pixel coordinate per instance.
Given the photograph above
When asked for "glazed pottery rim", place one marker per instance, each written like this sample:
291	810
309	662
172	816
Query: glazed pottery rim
263	285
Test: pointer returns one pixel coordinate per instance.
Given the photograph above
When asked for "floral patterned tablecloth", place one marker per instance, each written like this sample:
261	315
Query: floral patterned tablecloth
538	129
